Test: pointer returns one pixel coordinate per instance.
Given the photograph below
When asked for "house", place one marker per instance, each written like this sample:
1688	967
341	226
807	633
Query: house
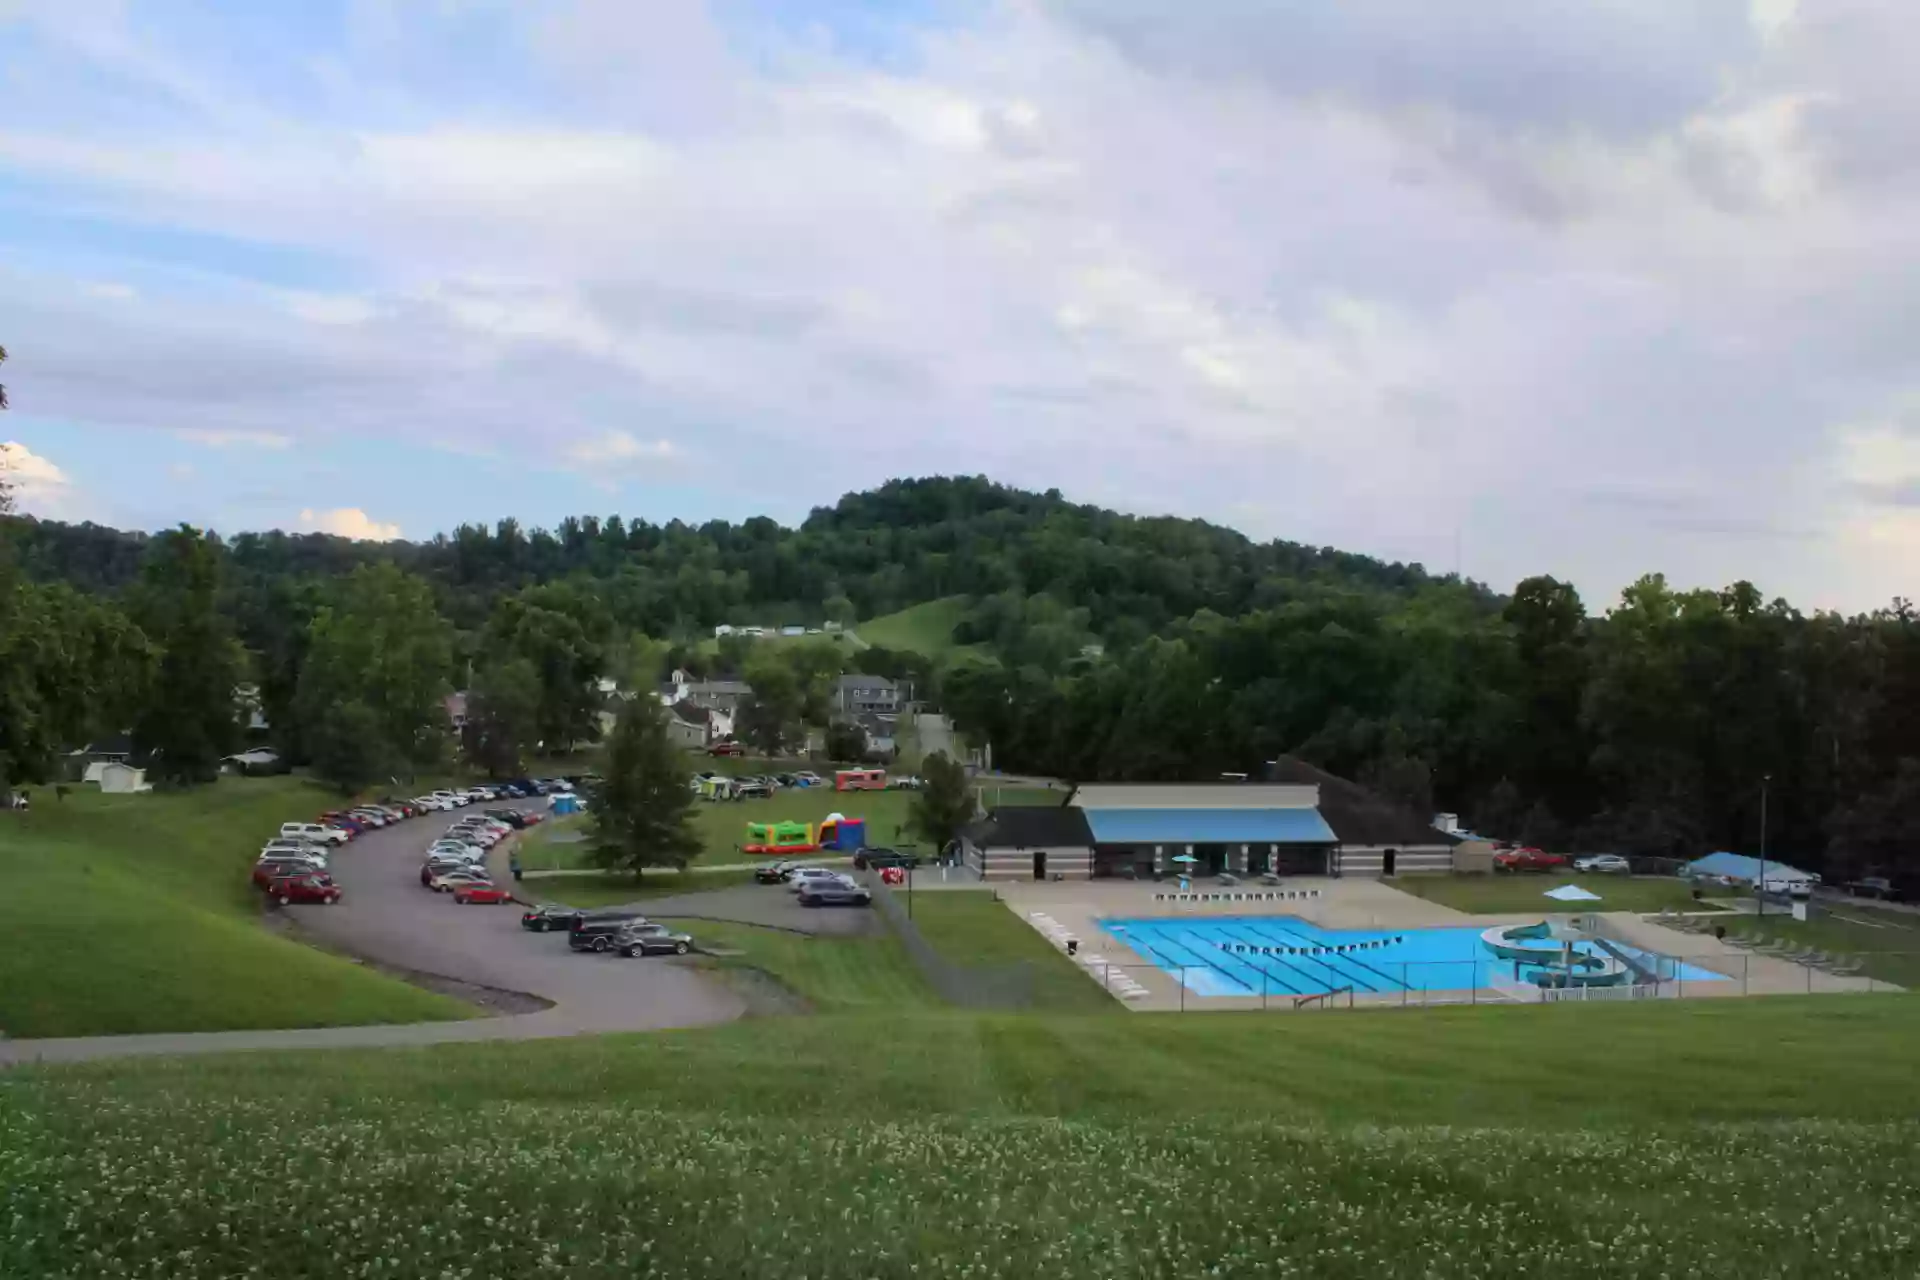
84	764
456	705
714	695
791	630
689	726
123	779
1030	842
857	695
879	731
246	698
722	630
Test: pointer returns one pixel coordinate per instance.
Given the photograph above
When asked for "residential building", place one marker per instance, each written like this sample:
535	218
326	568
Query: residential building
714	695
857	695
880	739
689	726
456	704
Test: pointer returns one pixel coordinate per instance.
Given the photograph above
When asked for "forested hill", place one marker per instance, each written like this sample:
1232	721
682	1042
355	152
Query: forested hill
872	553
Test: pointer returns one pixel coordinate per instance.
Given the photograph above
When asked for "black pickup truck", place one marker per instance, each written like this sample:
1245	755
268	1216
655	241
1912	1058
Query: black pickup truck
879	857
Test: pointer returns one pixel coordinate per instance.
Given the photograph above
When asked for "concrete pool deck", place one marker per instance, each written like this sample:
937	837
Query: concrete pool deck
1077	907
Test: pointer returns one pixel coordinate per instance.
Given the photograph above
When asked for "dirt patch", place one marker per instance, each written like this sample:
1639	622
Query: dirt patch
492	1002
765	995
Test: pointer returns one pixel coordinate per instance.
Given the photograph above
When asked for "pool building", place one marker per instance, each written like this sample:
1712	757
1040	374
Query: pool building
1299	821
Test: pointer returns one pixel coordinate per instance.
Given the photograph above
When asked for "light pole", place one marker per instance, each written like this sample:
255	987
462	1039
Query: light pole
1760	889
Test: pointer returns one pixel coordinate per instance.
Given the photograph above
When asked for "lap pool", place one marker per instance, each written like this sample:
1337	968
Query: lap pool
1282	955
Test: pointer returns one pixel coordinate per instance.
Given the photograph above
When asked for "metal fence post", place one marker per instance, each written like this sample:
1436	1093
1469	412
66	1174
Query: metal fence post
1183	988
1263	990
1746	964
1809	969
1403	984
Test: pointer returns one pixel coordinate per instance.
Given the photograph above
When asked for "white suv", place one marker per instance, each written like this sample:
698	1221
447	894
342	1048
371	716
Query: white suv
452	798
314	833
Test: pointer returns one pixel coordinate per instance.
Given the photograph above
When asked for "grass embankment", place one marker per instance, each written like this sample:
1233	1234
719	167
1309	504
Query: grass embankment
925	628
1593	1141
1524	893
131	913
970	926
830	974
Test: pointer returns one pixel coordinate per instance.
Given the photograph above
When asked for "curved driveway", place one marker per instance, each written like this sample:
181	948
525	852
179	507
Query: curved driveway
386	916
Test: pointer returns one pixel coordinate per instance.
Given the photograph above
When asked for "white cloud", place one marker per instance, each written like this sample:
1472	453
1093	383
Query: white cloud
348	522
1379	278
213	439
110	290
39	486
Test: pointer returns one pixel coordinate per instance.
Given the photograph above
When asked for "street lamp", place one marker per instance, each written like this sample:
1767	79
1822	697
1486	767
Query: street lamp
1760	889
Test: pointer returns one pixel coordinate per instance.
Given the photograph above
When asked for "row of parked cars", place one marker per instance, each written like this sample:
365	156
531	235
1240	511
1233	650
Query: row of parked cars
456	860
816	886
614	930
292	866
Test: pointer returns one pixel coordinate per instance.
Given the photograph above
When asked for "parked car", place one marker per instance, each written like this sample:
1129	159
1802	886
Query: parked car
513	817
751	789
880	856
595	931
775	872
546	917
908	783
801	875
834	891
1528	860
806	778
726	749
1611	863
314	832
267	870
644	938
280	844
448	881
310	886
453	799
1871	887
478	894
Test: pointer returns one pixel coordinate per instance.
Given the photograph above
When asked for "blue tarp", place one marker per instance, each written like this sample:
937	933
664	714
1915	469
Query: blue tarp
1741	867
1209	826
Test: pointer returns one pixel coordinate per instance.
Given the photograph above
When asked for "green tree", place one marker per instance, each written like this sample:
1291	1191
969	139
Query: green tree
643	811
846	741
503	709
190	721
381	644
348	746
761	725
563	632
944	804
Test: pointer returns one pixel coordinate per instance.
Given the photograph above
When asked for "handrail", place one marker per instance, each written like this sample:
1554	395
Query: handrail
1301	1002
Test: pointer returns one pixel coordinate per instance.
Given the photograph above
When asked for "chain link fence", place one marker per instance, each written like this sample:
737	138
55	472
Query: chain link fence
1008	986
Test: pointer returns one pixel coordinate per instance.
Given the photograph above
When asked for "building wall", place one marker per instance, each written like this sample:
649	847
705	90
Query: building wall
1225	796
1074	862
682	734
1368	860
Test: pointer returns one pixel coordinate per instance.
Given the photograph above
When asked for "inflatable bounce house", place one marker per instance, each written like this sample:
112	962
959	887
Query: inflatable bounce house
779	838
837	831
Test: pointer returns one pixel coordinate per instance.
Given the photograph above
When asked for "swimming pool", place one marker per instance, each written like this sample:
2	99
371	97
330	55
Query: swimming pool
1284	955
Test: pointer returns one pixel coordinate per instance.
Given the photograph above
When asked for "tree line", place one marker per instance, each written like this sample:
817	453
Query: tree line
1121	648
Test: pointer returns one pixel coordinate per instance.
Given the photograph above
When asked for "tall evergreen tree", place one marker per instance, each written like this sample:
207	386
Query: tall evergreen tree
944	804
643	811
191	720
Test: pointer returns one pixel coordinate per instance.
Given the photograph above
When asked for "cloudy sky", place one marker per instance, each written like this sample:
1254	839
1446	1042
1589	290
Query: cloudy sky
1585	289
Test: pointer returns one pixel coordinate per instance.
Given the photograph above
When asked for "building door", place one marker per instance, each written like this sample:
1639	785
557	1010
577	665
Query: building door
1039	864
1387	861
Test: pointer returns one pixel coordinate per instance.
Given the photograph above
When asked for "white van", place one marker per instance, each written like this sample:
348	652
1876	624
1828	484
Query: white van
314	832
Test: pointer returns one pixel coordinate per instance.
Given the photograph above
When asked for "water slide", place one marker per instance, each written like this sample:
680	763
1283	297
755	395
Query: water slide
1555	962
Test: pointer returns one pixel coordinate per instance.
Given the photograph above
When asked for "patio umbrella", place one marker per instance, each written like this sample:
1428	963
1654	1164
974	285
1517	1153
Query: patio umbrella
1186	857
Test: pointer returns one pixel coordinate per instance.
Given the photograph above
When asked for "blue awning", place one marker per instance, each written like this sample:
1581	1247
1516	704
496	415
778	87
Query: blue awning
1209	826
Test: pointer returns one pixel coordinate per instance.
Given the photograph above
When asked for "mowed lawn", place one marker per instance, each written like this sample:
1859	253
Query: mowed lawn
131	913
971	926
1503	894
922	628
1723	1138
831	974
723	824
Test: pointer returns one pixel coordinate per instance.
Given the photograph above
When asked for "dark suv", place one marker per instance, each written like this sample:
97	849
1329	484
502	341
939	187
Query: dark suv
595	931
881	857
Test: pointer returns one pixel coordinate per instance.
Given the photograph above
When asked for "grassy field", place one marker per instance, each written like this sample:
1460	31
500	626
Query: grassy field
128	913
723	825
922	628
831	974
970	926
1714	1139
1521	894
1887	942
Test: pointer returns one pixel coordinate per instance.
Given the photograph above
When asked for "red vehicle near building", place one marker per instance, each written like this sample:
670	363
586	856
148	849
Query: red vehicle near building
726	749
475	894
1529	860
313	886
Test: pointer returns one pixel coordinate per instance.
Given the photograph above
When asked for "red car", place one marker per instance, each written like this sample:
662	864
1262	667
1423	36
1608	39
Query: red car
313	886
1529	860
482	893
726	749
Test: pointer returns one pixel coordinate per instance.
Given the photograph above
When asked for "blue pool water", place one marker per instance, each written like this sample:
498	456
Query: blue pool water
1198	953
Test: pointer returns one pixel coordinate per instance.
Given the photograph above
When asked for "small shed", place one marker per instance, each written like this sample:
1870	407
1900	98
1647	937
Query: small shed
123	779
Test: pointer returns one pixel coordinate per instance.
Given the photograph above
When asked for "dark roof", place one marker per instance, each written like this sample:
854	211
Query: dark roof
691	714
1026	826
1357	815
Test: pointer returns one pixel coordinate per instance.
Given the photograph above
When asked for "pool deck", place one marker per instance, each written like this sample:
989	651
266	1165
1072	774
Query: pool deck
1079	906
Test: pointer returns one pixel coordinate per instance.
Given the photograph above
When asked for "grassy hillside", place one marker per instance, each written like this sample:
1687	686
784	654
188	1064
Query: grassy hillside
1713	1139
133	913
922	628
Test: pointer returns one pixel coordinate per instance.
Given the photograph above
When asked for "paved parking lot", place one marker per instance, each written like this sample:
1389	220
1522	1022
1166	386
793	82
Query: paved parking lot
387	917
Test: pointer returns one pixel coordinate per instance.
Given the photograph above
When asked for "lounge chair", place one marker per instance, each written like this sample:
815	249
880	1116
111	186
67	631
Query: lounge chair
1269	878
